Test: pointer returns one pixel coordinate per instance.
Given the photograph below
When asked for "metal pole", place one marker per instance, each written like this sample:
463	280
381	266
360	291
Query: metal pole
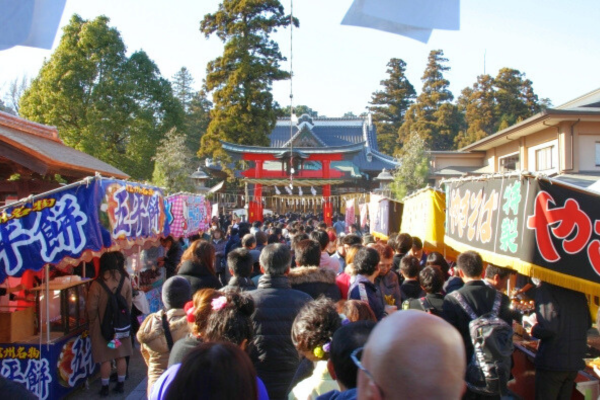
47	307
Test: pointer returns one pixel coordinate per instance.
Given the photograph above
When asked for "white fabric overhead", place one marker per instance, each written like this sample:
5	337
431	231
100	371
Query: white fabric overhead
30	23
413	19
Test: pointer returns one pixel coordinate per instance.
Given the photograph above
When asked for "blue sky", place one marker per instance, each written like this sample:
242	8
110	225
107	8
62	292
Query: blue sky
337	68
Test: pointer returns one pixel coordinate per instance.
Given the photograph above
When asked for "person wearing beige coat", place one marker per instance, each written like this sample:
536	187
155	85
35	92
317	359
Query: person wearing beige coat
151	335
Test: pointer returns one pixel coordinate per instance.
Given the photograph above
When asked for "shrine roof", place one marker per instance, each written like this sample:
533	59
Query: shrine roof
337	132
42	145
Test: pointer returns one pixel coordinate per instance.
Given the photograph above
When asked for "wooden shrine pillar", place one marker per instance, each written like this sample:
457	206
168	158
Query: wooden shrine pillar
327	207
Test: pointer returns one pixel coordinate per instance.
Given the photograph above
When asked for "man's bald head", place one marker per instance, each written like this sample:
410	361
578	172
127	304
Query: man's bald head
413	355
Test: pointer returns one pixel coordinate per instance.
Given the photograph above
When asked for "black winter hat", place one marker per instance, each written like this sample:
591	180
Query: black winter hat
176	291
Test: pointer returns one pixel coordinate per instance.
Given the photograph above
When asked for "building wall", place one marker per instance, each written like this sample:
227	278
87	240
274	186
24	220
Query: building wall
457	161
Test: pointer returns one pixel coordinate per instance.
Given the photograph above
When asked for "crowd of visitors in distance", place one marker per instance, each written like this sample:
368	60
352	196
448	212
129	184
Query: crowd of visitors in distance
296	309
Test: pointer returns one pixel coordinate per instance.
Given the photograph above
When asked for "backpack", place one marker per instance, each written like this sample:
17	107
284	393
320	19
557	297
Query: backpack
489	370
116	323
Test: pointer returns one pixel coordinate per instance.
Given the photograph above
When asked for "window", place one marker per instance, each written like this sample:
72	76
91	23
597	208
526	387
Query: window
510	163
543	159
597	154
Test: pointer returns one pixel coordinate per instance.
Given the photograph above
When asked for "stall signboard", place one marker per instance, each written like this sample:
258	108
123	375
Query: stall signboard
424	216
90	216
350	214
379	215
539	227
191	213
49	372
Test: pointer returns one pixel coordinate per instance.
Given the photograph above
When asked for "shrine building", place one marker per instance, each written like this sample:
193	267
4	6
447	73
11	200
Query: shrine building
310	164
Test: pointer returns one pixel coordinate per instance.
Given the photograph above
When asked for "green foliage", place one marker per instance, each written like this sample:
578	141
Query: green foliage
433	117
105	104
240	80
182	88
298	111
390	104
494	104
413	171
58	178
173	163
197	119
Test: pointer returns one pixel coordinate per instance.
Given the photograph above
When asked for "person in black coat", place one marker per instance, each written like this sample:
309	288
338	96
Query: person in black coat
198	266
277	304
477	294
410	288
173	256
308	277
432	280
563	320
239	262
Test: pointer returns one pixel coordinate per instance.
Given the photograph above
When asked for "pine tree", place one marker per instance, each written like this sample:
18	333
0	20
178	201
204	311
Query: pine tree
424	116
479	105
515	97
413	172
390	104
241	79
173	163
197	120
182	87
105	104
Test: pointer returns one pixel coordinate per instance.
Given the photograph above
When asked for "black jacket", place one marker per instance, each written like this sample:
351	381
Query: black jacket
563	321
435	300
481	299
198	276
273	354
315	281
172	258
411	290
239	283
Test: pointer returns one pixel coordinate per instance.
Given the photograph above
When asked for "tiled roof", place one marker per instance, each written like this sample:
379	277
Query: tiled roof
43	143
335	132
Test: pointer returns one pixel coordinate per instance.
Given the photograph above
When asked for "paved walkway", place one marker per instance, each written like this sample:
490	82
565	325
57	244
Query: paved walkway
135	386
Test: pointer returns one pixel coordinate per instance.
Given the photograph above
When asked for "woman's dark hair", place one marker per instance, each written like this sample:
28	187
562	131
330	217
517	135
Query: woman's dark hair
232	323
437	259
214	371
111	262
358	310
200	252
315	325
212	233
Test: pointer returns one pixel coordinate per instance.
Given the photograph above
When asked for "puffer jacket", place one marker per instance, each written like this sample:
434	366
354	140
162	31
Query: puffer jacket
198	276
315	281
153	341
273	354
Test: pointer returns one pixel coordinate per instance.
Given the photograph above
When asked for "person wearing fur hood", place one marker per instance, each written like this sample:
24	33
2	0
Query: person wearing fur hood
308	277
155	342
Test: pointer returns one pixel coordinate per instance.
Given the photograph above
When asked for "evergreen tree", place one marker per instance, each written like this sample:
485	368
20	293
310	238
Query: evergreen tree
298	111
182	87
426	114
196	121
173	164
105	104
478	105
390	104
515	98
413	172
241	79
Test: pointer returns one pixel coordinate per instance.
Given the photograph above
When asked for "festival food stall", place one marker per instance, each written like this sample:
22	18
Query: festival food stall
540	227
44	343
424	216
385	216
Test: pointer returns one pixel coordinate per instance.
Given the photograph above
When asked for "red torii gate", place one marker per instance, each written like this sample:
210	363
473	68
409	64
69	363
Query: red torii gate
291	159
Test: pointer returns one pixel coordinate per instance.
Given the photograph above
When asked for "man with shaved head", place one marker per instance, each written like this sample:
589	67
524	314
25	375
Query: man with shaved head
412	355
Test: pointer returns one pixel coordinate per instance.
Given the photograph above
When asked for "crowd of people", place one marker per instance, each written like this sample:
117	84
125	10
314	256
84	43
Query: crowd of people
295	309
